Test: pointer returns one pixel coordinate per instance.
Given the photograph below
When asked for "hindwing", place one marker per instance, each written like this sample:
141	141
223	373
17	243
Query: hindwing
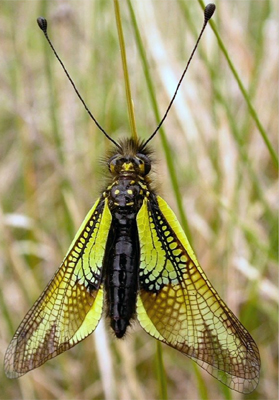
178	305
70	307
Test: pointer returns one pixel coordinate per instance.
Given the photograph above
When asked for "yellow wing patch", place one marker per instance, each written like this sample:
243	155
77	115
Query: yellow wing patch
71	306
178	305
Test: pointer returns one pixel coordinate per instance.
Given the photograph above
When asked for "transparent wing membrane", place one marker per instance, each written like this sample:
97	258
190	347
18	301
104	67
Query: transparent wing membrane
71	306
179	306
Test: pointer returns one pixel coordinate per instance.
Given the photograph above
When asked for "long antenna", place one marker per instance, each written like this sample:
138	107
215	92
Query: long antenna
42	22
208	12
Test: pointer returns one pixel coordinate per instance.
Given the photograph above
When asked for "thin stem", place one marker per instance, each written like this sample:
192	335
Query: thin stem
125	70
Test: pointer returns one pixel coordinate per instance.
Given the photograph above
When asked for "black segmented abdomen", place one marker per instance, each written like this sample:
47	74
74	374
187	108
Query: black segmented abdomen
122	277
122	258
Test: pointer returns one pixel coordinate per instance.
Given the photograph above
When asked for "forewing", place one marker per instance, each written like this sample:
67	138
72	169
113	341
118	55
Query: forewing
178	305
70	307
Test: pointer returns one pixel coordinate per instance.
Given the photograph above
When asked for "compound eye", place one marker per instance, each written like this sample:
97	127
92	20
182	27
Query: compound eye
114	164
144	163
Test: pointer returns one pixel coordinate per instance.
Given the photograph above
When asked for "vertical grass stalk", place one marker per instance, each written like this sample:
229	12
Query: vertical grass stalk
125	69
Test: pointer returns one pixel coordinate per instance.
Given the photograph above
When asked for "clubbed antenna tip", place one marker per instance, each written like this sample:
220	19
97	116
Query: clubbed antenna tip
209	11
42	22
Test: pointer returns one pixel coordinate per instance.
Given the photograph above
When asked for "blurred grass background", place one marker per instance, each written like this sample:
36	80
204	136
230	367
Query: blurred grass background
226	178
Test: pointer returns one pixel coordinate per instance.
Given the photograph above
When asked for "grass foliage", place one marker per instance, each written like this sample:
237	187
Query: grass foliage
216	166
